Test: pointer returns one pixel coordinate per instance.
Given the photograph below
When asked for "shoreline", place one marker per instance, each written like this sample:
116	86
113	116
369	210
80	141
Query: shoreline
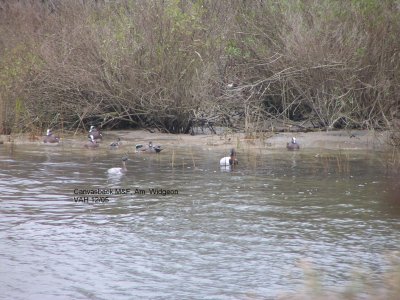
327	140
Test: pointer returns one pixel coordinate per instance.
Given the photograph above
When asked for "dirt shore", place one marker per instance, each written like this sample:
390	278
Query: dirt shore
332	140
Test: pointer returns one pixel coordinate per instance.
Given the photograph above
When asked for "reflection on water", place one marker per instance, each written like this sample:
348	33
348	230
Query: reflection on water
227	234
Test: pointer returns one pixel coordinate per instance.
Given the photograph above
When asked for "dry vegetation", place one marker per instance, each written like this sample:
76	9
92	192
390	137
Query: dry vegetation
173	64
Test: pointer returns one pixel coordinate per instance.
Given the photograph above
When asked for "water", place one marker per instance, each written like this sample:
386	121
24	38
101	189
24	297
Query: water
237	234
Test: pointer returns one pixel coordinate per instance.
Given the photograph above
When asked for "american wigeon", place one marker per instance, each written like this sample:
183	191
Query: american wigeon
91	143
116	144
93	131
119	171
150	148
229	160
293	145
50	138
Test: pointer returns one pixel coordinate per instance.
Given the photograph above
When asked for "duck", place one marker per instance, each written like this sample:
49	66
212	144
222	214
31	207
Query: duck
229	160
93	131
91	144
150	148
293	145
116	144
50	138
119	171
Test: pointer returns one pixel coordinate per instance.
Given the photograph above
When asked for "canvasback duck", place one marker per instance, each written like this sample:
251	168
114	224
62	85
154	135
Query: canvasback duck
229	160
119	171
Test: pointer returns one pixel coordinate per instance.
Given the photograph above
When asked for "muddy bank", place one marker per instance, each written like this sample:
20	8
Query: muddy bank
345	140
332	140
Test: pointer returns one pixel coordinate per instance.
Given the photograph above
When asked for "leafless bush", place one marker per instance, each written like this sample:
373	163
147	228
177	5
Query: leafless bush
167	64
331	63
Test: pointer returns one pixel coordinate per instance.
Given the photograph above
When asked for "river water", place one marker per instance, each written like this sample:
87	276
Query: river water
245	233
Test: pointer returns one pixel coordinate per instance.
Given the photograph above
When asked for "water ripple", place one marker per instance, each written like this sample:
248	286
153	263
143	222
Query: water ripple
225	235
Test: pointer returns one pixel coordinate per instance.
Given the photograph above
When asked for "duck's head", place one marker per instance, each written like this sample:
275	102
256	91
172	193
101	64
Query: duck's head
151	144
48	132
91	128
293	140
233	160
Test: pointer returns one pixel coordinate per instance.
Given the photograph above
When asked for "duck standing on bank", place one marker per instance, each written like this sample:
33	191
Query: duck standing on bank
229	160
93	131
119	171
50	138
150	148
293	145
91	144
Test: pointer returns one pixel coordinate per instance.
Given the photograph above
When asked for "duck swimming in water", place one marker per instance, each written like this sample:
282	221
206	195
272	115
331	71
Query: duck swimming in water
150	148
116	144
91	144
229	160
50	138
95	133
119	171
293	145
